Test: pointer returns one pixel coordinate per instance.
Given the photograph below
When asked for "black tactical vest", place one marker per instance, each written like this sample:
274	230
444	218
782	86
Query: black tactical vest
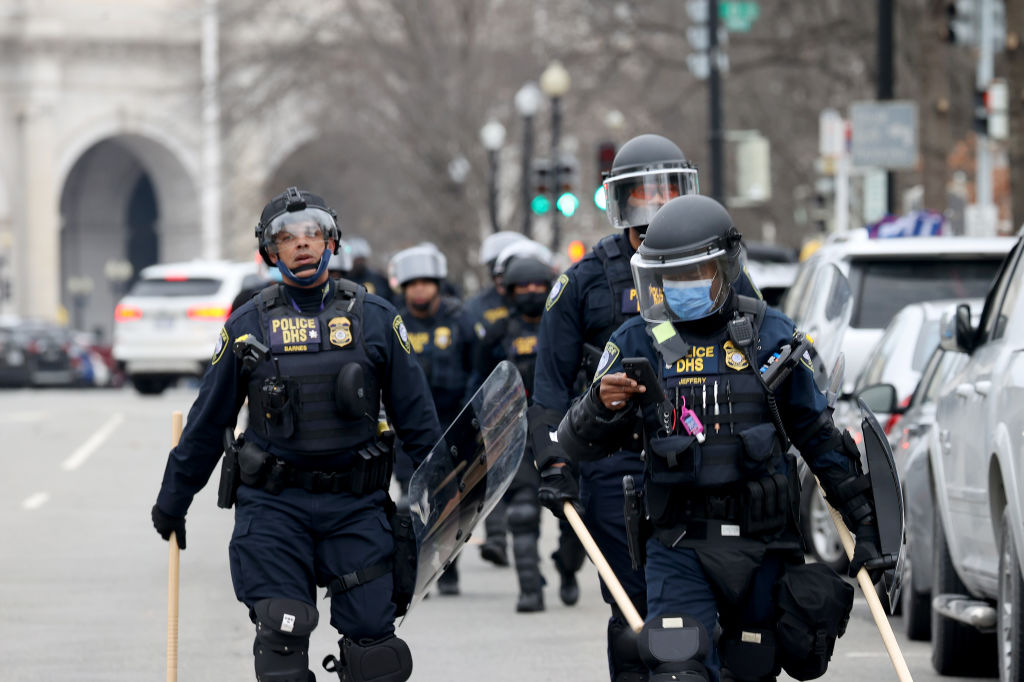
624	302
308	352
716	382
520	344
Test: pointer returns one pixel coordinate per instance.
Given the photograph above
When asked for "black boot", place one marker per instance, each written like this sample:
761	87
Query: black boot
524	549
493	550
448	583
569	590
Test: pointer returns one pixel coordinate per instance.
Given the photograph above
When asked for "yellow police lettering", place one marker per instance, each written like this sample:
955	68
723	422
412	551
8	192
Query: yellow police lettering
295	349
293	336
690	364
418	341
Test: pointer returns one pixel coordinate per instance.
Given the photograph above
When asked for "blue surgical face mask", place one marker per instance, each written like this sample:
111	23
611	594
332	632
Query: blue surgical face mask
690	300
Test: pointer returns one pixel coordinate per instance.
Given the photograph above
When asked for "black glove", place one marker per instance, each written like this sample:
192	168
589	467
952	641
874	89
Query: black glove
558	485
165	524
867	553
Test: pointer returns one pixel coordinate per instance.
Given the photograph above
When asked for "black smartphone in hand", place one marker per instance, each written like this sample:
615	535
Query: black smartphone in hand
640	370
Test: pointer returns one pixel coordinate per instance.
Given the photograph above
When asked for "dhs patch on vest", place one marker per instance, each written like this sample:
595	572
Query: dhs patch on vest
294	335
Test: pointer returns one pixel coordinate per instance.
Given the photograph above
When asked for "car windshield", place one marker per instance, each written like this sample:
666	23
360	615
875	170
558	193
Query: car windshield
882	287
194	286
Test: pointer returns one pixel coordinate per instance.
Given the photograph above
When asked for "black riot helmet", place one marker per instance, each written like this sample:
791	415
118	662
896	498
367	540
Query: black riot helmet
291	210
647	171
687	263
522	271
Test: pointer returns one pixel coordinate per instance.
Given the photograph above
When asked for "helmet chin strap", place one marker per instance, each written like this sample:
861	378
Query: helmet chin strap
309	279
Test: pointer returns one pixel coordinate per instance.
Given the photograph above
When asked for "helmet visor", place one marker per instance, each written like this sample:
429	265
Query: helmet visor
309	223
682	289
634	198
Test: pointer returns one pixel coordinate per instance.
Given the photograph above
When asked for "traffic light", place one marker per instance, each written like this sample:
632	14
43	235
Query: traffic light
540	181
577	250
979	114
961	22
567	179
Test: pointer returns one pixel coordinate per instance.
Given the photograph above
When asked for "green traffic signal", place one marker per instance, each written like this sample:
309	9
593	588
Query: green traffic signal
567	204
540	204
600	199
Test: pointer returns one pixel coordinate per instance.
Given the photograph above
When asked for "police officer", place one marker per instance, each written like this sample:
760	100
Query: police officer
586	304
312	504
721	492
526	282
340	263
438	342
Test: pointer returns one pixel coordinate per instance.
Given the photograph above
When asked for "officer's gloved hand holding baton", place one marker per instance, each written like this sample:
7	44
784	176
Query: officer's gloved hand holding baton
559	484
867	553
165	524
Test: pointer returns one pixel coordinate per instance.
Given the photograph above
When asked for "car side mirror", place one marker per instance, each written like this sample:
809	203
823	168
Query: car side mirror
880	398
957	332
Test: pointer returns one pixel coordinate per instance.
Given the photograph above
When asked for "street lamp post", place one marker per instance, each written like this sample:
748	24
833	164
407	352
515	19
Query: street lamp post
554	82
492	135
527	102
117	273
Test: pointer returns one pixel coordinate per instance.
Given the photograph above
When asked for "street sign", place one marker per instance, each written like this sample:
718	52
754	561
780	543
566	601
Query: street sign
884	134
739	16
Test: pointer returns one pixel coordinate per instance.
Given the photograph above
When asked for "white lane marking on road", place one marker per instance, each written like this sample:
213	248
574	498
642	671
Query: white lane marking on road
35	501
90	446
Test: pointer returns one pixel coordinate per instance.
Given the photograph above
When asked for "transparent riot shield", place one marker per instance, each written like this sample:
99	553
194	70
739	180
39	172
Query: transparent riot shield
467	472
888	495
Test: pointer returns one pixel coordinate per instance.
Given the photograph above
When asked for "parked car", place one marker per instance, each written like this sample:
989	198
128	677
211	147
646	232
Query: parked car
40	353
772	268
14	363
884	276
976	457
167	325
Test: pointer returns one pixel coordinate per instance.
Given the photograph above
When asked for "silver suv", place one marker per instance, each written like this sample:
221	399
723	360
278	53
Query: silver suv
976	457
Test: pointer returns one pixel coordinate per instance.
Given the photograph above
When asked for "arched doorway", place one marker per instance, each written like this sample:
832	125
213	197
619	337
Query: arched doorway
126	199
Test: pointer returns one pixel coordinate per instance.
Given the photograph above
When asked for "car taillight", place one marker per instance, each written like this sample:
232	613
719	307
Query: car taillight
208	312
127	313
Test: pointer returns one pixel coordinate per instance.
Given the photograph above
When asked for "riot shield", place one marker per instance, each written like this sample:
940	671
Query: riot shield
888	494
467	472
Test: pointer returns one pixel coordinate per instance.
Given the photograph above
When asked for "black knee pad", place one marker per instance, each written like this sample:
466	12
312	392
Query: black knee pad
748	655
523	517
382	660
622	646
281	648
673	647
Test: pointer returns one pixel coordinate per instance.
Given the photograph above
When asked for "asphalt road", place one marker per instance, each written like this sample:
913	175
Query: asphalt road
83	575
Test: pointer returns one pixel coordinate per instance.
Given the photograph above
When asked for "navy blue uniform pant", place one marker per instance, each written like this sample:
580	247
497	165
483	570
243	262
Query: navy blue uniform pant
677	585
285	546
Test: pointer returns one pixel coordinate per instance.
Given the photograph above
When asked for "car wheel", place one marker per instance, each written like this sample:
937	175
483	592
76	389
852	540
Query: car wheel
820	531
917	606
150	385
1010	619
957	648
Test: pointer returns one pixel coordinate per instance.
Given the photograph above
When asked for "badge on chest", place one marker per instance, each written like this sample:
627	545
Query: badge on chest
294	335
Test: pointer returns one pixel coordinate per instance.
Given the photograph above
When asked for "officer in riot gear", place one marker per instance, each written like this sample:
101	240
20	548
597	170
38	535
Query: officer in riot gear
698	373
527	282
586	304
314	356
358	249
440	344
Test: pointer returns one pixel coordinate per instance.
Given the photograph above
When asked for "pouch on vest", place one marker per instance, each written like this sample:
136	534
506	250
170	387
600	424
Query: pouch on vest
253	464
765	506
761	448
404	571
676	459
278	402
813	607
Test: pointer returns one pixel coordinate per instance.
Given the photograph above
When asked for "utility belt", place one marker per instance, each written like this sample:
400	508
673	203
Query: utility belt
759	508
248	464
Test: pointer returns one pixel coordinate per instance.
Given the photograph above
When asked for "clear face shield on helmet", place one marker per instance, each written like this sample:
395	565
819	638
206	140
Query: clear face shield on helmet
310	223
686	288
634	198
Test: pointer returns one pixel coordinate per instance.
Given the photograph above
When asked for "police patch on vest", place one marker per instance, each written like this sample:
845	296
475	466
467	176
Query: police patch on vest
294	335
492	315
556	291
222	343
734	358
525	345
442	337
402	333
630	302
611	353
341	331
